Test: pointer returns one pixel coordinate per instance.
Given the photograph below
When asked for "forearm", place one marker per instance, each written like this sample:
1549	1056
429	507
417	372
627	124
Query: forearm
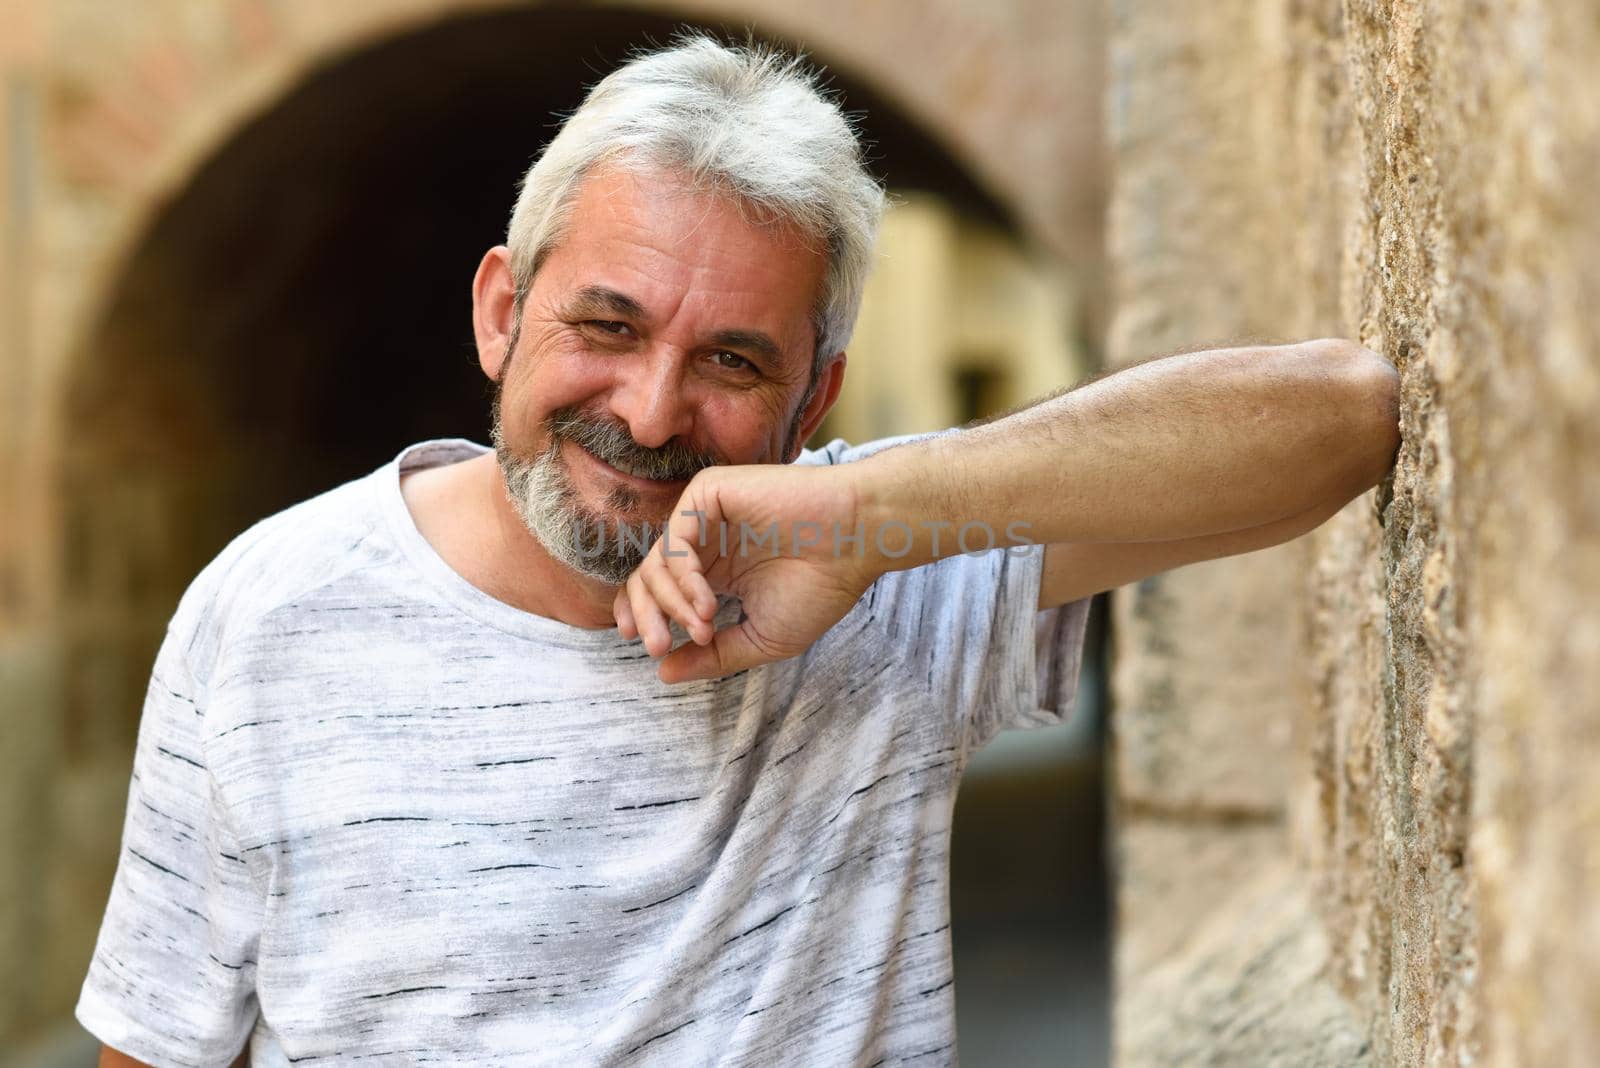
1196	444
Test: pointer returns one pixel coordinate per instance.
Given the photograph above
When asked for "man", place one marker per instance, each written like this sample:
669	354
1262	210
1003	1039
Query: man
421	775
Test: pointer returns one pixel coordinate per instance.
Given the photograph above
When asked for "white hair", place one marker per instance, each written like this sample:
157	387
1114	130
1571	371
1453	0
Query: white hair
748	121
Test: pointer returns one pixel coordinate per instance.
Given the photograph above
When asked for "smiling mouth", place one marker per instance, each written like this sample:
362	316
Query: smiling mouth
635	480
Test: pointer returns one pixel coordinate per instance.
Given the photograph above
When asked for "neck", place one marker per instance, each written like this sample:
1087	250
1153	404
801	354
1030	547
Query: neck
514	567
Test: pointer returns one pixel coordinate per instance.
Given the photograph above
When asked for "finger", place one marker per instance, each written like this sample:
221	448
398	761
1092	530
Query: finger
647	616
623	614
691	532
681	556
669	597
697	588
731	650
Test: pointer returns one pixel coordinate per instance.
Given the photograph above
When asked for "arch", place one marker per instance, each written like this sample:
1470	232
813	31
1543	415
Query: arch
274	329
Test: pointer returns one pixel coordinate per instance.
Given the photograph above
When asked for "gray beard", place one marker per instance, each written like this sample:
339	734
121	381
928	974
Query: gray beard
591	544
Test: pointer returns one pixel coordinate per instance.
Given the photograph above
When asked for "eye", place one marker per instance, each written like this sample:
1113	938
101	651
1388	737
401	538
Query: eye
608	326
732	361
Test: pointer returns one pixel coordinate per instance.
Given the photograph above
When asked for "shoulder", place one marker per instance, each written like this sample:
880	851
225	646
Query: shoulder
274	561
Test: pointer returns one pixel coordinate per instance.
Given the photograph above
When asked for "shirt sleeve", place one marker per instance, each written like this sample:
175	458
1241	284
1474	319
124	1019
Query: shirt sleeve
969	625
1058	639
172	979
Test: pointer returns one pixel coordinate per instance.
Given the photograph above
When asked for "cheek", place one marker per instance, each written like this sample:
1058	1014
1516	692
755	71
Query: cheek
555	379
744	428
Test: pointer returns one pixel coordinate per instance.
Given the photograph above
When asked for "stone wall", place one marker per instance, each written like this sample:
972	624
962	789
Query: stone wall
1356	812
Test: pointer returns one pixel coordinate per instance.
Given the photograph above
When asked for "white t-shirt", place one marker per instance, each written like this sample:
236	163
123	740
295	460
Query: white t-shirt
379	817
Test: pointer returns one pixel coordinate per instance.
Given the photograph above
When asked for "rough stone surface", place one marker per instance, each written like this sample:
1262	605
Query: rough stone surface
1418	177
1248	990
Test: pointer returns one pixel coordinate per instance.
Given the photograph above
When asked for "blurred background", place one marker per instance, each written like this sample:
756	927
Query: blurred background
238	239
1349	779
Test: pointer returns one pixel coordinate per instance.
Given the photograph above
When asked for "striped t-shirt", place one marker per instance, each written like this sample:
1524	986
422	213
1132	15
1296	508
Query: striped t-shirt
377	816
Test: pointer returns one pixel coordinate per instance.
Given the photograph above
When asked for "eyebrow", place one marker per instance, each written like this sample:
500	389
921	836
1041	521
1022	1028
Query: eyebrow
753	341
595	299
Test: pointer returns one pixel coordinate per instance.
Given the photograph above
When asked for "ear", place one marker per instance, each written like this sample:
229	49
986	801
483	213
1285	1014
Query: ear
828	386
494	298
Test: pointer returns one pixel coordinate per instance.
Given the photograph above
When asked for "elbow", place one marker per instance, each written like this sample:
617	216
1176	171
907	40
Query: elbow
1371	425
1378	387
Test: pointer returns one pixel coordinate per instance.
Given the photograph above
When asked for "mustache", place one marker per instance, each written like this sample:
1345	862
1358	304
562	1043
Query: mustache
611	442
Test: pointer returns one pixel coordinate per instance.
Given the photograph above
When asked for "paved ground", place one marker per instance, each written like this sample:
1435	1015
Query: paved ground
1029	902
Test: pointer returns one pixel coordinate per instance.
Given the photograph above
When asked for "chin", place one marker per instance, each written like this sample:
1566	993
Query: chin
622	506
561	508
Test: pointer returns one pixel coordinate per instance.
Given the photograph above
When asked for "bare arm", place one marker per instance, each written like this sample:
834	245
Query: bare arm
1073	570
1167	463
1194	445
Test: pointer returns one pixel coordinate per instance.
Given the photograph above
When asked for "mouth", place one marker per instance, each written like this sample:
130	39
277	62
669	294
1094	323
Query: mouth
648	485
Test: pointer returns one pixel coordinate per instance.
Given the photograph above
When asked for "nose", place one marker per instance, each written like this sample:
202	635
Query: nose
651	399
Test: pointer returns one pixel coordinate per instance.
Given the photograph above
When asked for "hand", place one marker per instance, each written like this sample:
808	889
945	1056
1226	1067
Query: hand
793	585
